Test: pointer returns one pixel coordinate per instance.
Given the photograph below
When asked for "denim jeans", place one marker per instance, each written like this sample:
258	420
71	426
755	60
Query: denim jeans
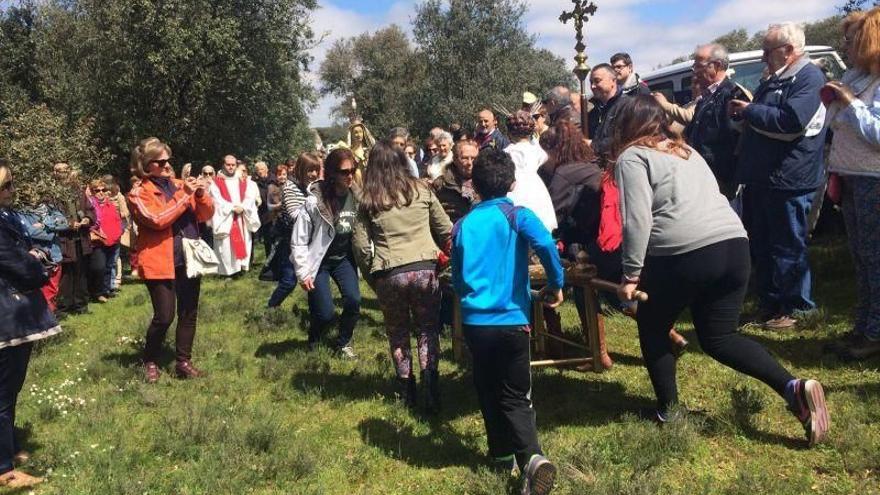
13	368
110	275
286	275
321	309
778	234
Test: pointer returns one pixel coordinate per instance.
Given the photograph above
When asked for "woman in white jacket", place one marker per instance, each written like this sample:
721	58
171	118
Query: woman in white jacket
529	190
321	249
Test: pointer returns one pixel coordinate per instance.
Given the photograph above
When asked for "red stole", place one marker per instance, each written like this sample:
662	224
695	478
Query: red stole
235	235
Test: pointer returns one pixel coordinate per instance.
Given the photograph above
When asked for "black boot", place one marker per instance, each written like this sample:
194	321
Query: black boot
431	391
406	391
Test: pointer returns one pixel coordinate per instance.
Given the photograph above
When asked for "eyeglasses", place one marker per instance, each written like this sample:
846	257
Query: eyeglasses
619	66
162	163
99	190
348	172
768	51
208	174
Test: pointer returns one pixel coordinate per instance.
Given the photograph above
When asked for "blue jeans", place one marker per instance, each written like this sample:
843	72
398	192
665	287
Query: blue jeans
110	276
778	234
13	368
286	275
321	309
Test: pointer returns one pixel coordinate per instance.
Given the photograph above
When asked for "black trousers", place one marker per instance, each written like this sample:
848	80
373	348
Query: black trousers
13	368
73	290
503	380
183	293
711	281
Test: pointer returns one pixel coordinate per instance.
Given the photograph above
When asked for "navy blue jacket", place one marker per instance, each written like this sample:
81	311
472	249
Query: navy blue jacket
712	133
24	314
776	152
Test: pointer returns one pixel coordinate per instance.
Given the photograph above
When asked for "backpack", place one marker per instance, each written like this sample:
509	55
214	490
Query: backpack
610	222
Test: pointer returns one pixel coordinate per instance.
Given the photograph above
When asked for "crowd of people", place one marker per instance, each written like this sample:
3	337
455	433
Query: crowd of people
679	201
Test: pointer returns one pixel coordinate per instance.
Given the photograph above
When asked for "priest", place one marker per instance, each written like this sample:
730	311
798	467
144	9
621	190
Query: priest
235	218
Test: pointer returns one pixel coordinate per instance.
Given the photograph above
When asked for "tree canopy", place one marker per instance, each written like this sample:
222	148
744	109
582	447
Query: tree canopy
466	54
208	76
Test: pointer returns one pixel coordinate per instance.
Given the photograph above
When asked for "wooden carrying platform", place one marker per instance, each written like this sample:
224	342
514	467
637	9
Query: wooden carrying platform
580	274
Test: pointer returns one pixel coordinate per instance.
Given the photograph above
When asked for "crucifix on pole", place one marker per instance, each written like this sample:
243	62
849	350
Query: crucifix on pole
581	13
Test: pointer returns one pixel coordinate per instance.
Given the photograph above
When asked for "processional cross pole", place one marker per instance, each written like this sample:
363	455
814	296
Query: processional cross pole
581	13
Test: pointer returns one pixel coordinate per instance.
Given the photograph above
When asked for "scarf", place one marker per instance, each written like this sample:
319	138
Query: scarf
235	235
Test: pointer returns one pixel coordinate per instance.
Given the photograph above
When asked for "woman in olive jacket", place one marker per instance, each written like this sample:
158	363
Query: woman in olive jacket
398	220
24	318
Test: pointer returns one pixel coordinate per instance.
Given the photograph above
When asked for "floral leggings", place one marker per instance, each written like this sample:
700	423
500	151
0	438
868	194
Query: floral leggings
411	300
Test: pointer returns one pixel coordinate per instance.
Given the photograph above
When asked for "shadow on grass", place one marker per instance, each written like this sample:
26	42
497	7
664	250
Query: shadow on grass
280	349
441	447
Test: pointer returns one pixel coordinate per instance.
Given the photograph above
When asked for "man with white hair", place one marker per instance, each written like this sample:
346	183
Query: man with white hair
437	167
711	132
781	165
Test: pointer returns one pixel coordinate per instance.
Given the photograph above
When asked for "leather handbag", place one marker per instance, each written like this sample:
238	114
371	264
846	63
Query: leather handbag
200	258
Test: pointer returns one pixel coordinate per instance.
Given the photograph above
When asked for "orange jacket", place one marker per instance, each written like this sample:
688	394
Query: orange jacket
155	216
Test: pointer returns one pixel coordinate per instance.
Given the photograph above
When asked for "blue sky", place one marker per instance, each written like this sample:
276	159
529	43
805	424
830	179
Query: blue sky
653	31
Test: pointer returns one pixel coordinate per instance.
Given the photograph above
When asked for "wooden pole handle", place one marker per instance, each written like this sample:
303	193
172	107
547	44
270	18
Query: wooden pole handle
612	287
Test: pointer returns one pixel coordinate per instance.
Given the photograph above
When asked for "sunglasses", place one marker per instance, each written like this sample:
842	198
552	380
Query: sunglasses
162	163
209	174
348	172
100	190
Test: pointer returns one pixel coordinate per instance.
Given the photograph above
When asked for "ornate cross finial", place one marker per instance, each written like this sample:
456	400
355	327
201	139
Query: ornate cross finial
583	10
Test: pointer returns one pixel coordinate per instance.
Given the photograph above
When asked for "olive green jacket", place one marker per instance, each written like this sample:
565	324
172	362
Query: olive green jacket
401	236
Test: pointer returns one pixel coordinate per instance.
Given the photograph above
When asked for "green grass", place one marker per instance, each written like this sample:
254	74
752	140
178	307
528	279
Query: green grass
272	418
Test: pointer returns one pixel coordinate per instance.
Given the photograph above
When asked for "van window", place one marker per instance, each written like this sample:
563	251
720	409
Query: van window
749	74
665	87
830	66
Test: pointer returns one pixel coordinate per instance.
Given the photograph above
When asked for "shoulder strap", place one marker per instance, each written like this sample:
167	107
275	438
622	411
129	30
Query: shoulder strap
509	210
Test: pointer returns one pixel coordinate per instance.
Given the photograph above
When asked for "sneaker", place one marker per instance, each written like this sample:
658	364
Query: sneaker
808	406
347	352
783	322
539	476
504	464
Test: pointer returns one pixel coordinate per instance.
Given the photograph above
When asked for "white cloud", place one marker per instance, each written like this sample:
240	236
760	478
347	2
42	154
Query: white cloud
617	26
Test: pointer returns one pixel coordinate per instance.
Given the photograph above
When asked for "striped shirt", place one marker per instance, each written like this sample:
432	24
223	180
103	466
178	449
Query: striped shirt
292	199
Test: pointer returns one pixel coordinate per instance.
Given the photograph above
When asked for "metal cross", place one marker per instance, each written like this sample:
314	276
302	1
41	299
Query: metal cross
583	10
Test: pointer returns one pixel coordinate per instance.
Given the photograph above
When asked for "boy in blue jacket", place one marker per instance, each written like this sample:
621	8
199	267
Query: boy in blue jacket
490	258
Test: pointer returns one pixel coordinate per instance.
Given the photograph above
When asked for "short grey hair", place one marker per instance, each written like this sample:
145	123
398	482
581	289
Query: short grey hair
790	33
398	132
559	96
717	53
443	136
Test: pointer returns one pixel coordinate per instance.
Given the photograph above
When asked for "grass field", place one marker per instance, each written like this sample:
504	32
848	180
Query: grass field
272	418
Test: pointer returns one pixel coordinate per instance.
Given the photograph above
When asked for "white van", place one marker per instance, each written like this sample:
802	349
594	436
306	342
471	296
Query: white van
674	81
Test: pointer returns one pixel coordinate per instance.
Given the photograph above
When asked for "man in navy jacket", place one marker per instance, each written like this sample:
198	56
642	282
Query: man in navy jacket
780	164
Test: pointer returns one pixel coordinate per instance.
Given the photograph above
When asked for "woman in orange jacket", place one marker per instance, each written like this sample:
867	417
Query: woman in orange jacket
166	211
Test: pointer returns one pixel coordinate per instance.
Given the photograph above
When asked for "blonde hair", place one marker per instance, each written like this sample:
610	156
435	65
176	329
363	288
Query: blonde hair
95	183
147	150
866	42
5	172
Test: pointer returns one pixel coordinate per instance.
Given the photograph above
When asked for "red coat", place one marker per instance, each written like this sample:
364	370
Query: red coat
155	215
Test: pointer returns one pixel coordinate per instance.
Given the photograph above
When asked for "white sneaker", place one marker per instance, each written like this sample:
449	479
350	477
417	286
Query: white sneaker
539	476
347	352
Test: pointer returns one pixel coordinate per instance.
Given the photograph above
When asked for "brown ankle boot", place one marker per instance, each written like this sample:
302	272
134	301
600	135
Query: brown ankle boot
185	369
607	363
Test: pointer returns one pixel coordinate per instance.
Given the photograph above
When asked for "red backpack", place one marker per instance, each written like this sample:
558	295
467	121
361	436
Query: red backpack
610	222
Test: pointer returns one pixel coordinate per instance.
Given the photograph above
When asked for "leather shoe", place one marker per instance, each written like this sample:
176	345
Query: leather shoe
151	372
185	369
19	479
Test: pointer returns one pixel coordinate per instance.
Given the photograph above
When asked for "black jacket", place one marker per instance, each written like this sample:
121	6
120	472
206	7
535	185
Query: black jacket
711	131
575	191
601	124
24	314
